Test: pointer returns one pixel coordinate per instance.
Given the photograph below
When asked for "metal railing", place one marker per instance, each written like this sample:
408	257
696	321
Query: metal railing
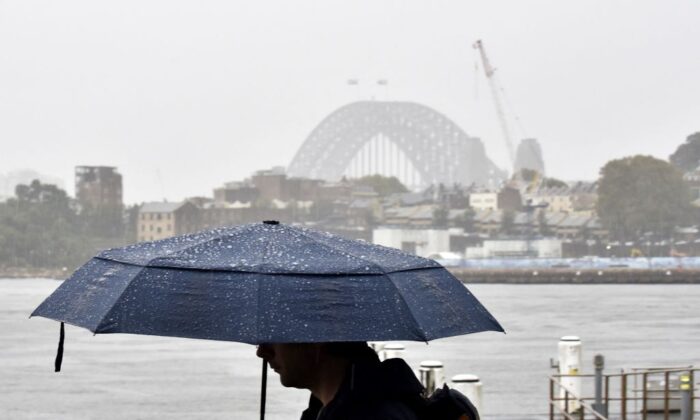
623	397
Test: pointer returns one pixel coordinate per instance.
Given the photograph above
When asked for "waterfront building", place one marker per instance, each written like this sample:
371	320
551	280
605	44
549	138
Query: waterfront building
160	220
509	248
421	242
485	200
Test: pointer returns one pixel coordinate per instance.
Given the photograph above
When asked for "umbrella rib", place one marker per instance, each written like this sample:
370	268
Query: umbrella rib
117	299
422	332
258	280
345	252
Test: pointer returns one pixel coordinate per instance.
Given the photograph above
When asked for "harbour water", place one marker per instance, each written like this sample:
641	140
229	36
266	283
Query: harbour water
140	377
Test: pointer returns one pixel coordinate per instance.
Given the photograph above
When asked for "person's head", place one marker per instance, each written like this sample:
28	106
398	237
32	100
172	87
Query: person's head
301	364
294	362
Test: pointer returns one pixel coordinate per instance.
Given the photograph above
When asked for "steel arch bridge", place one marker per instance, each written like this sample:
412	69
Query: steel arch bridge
428	143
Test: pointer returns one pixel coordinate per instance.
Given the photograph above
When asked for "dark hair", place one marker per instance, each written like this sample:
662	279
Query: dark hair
351	350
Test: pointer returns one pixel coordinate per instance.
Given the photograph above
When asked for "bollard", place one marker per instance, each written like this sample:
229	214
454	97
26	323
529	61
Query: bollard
686	397
570	364
394	351
432	375
470	386
598	405
378	347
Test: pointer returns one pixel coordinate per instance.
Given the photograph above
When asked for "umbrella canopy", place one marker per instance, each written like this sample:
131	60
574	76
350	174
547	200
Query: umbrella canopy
267	283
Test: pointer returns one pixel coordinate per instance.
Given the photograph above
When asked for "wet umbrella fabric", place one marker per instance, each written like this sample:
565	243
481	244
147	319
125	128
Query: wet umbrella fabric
267	283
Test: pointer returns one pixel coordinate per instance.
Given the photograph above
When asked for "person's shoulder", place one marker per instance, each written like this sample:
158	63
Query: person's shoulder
393	410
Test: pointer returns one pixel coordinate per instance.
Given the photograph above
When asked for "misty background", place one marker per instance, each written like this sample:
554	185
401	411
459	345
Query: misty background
182	96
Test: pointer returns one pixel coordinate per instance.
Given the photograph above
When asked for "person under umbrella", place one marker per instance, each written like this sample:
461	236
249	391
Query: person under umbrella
346	380
269	283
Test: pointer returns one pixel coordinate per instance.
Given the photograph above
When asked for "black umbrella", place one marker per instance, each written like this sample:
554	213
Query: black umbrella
266	283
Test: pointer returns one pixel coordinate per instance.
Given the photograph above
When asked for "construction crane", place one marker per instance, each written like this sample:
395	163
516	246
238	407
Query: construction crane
495	92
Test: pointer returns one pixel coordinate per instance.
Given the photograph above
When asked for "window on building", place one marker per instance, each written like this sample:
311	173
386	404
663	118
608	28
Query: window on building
158	216
150	227
158	229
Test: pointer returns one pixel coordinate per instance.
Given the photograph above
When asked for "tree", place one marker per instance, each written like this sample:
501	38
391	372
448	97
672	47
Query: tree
531	175
40	228
687	155
641	194
383	185
440	217
467	220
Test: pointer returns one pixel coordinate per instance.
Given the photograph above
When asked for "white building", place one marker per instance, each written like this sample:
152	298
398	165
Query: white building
539	248
421	242
483	200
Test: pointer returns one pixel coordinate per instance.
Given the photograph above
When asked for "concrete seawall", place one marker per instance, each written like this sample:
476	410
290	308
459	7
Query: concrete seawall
573	276
34	273
509	276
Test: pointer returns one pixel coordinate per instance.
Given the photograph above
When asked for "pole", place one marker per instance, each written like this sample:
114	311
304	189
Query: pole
263	390
599	406
686	397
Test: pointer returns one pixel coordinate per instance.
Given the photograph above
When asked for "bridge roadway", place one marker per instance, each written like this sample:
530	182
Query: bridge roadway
568	275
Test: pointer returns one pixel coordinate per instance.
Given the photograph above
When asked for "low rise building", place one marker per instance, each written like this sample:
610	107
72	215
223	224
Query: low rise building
487	200
510	248
421	242
160	220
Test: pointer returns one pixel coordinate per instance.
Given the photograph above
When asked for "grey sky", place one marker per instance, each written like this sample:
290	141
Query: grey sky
183	96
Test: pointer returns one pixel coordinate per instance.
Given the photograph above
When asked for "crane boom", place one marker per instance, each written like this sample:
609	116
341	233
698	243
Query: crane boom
490	72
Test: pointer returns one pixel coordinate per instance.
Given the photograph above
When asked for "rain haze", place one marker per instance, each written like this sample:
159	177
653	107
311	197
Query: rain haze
143	144
184	96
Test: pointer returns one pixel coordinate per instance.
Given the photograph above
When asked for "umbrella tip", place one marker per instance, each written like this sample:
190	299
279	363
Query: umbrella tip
271	222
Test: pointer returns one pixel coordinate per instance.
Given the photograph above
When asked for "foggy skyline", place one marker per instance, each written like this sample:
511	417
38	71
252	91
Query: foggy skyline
183	97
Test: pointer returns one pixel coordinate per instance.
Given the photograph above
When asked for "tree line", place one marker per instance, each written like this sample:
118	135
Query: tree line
639	197
42	227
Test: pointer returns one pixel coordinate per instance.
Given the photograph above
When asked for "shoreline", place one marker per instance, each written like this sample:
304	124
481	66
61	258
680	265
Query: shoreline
488	276
34	273
577	276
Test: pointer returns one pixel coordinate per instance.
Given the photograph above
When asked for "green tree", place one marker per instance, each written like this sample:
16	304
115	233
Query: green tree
383	185
529	175
640	194
687	155
467	220
440	217
40	228
554	183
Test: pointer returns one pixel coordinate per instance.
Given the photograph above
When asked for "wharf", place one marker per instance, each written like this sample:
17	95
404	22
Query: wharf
577	276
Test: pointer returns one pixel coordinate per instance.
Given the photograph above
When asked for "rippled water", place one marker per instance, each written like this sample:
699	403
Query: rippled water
139	377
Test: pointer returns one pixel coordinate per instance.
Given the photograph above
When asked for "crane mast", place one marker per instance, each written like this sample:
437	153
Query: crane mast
490	72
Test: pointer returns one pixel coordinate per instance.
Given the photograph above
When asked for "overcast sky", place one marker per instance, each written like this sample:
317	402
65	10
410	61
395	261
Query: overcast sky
183	96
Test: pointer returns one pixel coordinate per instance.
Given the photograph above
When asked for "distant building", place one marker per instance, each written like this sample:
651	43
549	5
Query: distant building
236	192
421	242
558	199
509	199
98	187
509	248
487	200
529	156
163	220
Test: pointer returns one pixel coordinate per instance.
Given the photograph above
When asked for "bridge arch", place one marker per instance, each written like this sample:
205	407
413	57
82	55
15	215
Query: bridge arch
438	150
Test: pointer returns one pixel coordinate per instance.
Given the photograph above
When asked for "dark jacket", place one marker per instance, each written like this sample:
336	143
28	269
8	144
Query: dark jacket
372	391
